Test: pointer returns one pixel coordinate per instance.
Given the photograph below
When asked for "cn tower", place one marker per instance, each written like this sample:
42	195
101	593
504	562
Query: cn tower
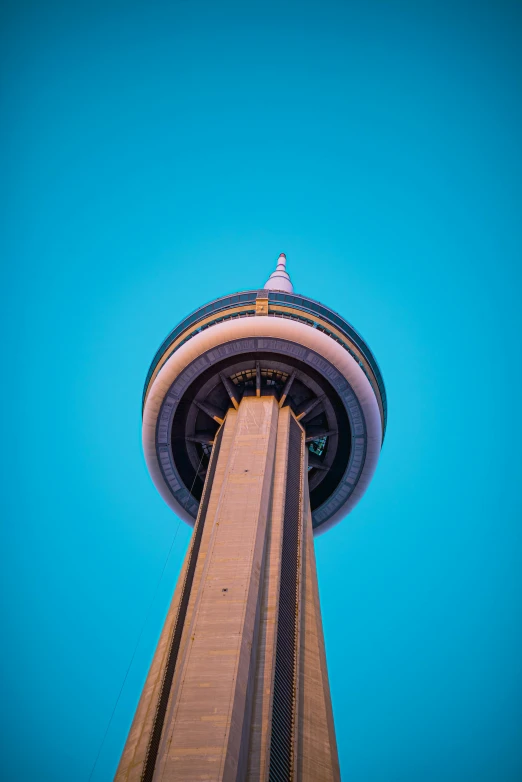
263	418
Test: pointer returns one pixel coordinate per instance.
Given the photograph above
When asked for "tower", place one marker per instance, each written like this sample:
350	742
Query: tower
263	418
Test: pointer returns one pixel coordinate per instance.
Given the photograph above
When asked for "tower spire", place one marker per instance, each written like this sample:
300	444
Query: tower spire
280	279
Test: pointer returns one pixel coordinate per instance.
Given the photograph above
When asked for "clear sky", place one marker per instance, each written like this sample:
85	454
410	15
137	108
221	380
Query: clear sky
158	155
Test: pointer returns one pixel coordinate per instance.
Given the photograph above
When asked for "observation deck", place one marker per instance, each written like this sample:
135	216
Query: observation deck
275	342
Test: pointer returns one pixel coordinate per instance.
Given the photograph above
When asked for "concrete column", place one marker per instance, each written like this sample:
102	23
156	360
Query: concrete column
259	749
317	759
204	734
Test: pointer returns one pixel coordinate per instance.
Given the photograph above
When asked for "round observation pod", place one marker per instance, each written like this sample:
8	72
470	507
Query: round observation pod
268	341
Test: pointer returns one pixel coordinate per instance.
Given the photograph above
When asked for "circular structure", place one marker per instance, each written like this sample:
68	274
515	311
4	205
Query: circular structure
267	341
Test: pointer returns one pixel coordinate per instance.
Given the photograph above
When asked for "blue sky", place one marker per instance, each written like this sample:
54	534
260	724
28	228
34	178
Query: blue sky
159	155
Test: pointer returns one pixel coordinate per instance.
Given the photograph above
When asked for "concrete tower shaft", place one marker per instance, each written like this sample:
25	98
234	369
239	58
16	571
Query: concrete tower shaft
238	688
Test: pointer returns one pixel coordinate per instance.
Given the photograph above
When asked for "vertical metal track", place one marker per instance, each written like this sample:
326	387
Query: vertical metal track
282	738
168	676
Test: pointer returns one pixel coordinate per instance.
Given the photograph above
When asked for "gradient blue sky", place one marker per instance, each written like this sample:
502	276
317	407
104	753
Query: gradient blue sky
159	155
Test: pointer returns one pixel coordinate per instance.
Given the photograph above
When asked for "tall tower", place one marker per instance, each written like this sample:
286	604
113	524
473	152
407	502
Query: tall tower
263	418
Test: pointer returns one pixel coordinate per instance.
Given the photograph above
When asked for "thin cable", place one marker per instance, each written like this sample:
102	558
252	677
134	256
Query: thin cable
195	476
134	652
142	629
